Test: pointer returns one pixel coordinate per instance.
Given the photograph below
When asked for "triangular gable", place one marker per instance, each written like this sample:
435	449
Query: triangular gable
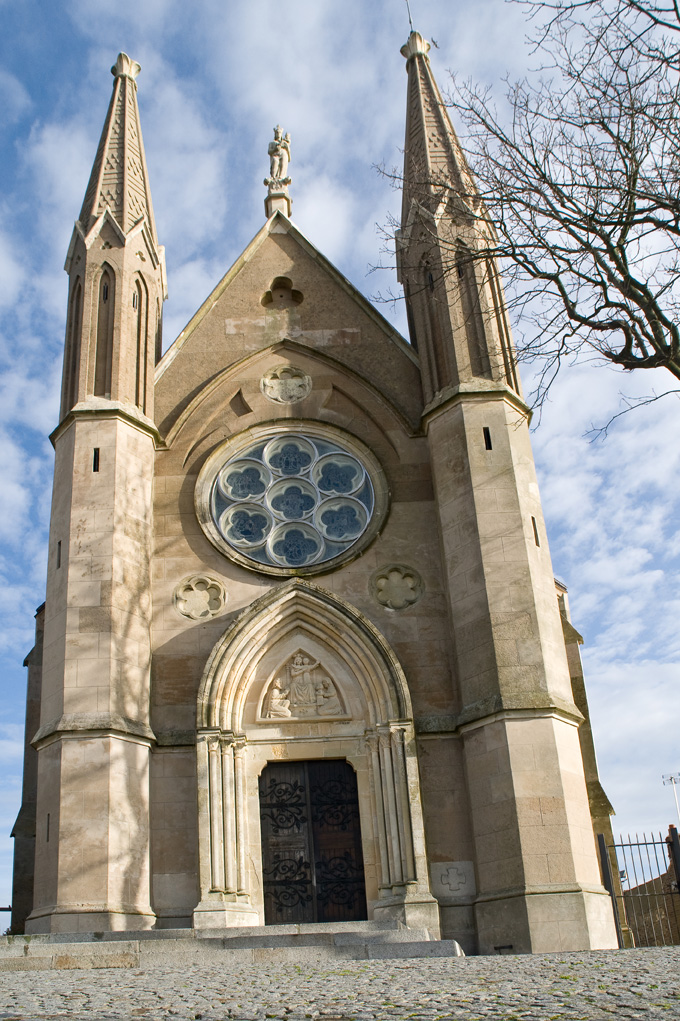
280	224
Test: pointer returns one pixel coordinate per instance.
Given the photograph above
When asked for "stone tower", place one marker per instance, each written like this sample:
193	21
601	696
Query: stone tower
93	741
517	727
303	659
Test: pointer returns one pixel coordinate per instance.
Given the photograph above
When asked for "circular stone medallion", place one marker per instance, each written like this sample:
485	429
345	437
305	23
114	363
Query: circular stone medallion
397	586
200	597
286	384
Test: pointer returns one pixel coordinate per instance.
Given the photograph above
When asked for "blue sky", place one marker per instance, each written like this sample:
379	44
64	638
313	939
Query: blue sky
216	77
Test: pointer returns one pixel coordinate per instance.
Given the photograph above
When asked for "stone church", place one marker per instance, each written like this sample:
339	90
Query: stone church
302	657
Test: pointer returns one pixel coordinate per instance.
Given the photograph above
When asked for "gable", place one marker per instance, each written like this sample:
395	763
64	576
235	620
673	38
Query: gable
320	311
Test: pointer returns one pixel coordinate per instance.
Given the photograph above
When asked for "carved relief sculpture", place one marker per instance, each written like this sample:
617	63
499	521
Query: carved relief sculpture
200	597
286	384
397	586
279	703
300	690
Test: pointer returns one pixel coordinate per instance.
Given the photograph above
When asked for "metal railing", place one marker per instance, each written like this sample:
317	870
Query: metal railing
642	876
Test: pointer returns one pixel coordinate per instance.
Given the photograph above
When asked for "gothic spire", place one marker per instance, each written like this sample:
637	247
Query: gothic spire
434	164
119	179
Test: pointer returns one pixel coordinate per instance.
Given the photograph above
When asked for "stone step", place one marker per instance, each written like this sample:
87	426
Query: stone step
69	951
324	930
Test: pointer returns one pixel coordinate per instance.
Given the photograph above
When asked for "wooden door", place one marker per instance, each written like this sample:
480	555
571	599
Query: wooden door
312	863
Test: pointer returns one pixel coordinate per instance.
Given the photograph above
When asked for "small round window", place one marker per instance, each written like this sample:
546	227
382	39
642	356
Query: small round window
288	502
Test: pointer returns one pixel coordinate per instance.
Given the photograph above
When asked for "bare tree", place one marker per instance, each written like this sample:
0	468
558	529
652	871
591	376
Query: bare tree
580	180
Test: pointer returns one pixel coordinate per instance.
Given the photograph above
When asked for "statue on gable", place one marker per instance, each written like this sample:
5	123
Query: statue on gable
279	157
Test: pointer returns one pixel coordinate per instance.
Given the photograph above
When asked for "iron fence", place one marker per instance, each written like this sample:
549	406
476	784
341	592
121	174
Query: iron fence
642	876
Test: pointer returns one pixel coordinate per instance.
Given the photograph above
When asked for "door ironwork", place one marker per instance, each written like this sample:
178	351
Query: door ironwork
313	869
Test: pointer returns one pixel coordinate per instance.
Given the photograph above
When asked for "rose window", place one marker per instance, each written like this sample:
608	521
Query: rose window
291	501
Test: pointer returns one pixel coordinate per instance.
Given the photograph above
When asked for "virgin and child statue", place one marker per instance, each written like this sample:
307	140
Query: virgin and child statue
308	692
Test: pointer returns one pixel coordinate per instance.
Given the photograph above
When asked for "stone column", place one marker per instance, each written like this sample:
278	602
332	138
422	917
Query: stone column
405	892
222	827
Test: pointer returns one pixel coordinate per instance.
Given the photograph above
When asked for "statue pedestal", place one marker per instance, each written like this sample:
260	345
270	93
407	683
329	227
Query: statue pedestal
278	200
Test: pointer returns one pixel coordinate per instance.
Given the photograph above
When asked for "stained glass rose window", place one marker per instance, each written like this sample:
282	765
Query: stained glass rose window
290	501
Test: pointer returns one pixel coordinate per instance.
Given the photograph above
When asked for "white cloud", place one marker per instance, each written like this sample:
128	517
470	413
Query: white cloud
14	99
12	272
11	742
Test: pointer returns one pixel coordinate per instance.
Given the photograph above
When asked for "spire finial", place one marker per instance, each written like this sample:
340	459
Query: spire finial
410	19
278	180
415	46
125	67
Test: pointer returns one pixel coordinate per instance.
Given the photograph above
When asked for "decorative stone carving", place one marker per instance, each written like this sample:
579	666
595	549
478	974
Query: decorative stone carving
277	183
286	384
453	880
397	586
125	67
279	157
302	689
200	597
281	502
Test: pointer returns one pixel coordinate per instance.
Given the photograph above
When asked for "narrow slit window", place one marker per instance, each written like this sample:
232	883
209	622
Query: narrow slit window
47	829
95	459
535	527
105	292
487	437
135	300
59	554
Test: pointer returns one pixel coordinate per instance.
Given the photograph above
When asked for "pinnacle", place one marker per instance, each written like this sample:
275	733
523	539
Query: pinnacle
119	180
434	164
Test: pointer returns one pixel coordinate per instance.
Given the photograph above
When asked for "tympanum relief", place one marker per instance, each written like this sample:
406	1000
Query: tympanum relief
302	689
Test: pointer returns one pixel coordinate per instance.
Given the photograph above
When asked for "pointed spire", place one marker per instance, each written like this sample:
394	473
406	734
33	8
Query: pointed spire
119	178
434	164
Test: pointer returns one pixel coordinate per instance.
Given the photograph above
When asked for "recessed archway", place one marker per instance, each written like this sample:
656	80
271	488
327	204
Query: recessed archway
300	676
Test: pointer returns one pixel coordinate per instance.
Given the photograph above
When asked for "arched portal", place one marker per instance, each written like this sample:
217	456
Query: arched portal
303	676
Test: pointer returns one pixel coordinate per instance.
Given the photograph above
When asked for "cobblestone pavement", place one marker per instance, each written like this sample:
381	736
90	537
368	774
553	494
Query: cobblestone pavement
627	984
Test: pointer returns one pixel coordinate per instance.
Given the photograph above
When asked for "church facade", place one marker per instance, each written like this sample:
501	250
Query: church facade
302	657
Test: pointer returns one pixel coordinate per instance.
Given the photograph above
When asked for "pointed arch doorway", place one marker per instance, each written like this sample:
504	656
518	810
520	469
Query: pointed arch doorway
282	687
312	859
